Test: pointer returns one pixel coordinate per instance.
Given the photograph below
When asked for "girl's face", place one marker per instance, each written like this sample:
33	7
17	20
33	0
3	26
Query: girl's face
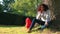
42	8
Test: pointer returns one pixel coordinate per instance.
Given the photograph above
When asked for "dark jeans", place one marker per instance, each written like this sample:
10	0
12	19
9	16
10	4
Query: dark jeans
39	22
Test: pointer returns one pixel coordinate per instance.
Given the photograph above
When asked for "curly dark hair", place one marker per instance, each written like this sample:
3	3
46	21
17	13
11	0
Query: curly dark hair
45	7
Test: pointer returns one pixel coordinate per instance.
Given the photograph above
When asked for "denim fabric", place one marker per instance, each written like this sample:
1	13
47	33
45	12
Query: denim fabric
39	22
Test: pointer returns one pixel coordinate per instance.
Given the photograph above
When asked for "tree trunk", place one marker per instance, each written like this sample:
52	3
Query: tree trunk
54	6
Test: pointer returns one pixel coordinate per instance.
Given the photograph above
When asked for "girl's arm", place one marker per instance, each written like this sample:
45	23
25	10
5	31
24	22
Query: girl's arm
47	17
38	15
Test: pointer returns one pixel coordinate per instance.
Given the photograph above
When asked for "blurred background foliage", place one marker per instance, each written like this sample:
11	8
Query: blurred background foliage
20	7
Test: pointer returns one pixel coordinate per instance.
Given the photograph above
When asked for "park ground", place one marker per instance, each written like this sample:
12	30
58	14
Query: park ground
23	30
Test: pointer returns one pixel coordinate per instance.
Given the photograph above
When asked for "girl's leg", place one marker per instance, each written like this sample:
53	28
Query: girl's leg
44	26
32	24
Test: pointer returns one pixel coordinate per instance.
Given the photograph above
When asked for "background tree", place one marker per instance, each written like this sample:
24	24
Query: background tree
6	5
25	7
21	7
1	8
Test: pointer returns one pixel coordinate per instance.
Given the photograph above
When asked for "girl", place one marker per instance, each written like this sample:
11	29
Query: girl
42	17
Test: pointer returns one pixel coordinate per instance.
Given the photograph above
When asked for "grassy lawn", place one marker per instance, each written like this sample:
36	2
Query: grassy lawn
22	30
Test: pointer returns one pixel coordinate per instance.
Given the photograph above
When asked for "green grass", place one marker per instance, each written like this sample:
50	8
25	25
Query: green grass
23	30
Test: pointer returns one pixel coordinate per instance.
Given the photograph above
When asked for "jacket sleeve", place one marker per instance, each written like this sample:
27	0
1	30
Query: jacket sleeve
38	15
48	16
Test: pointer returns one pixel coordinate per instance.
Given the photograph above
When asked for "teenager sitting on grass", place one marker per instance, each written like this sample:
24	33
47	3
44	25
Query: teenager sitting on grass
43	17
